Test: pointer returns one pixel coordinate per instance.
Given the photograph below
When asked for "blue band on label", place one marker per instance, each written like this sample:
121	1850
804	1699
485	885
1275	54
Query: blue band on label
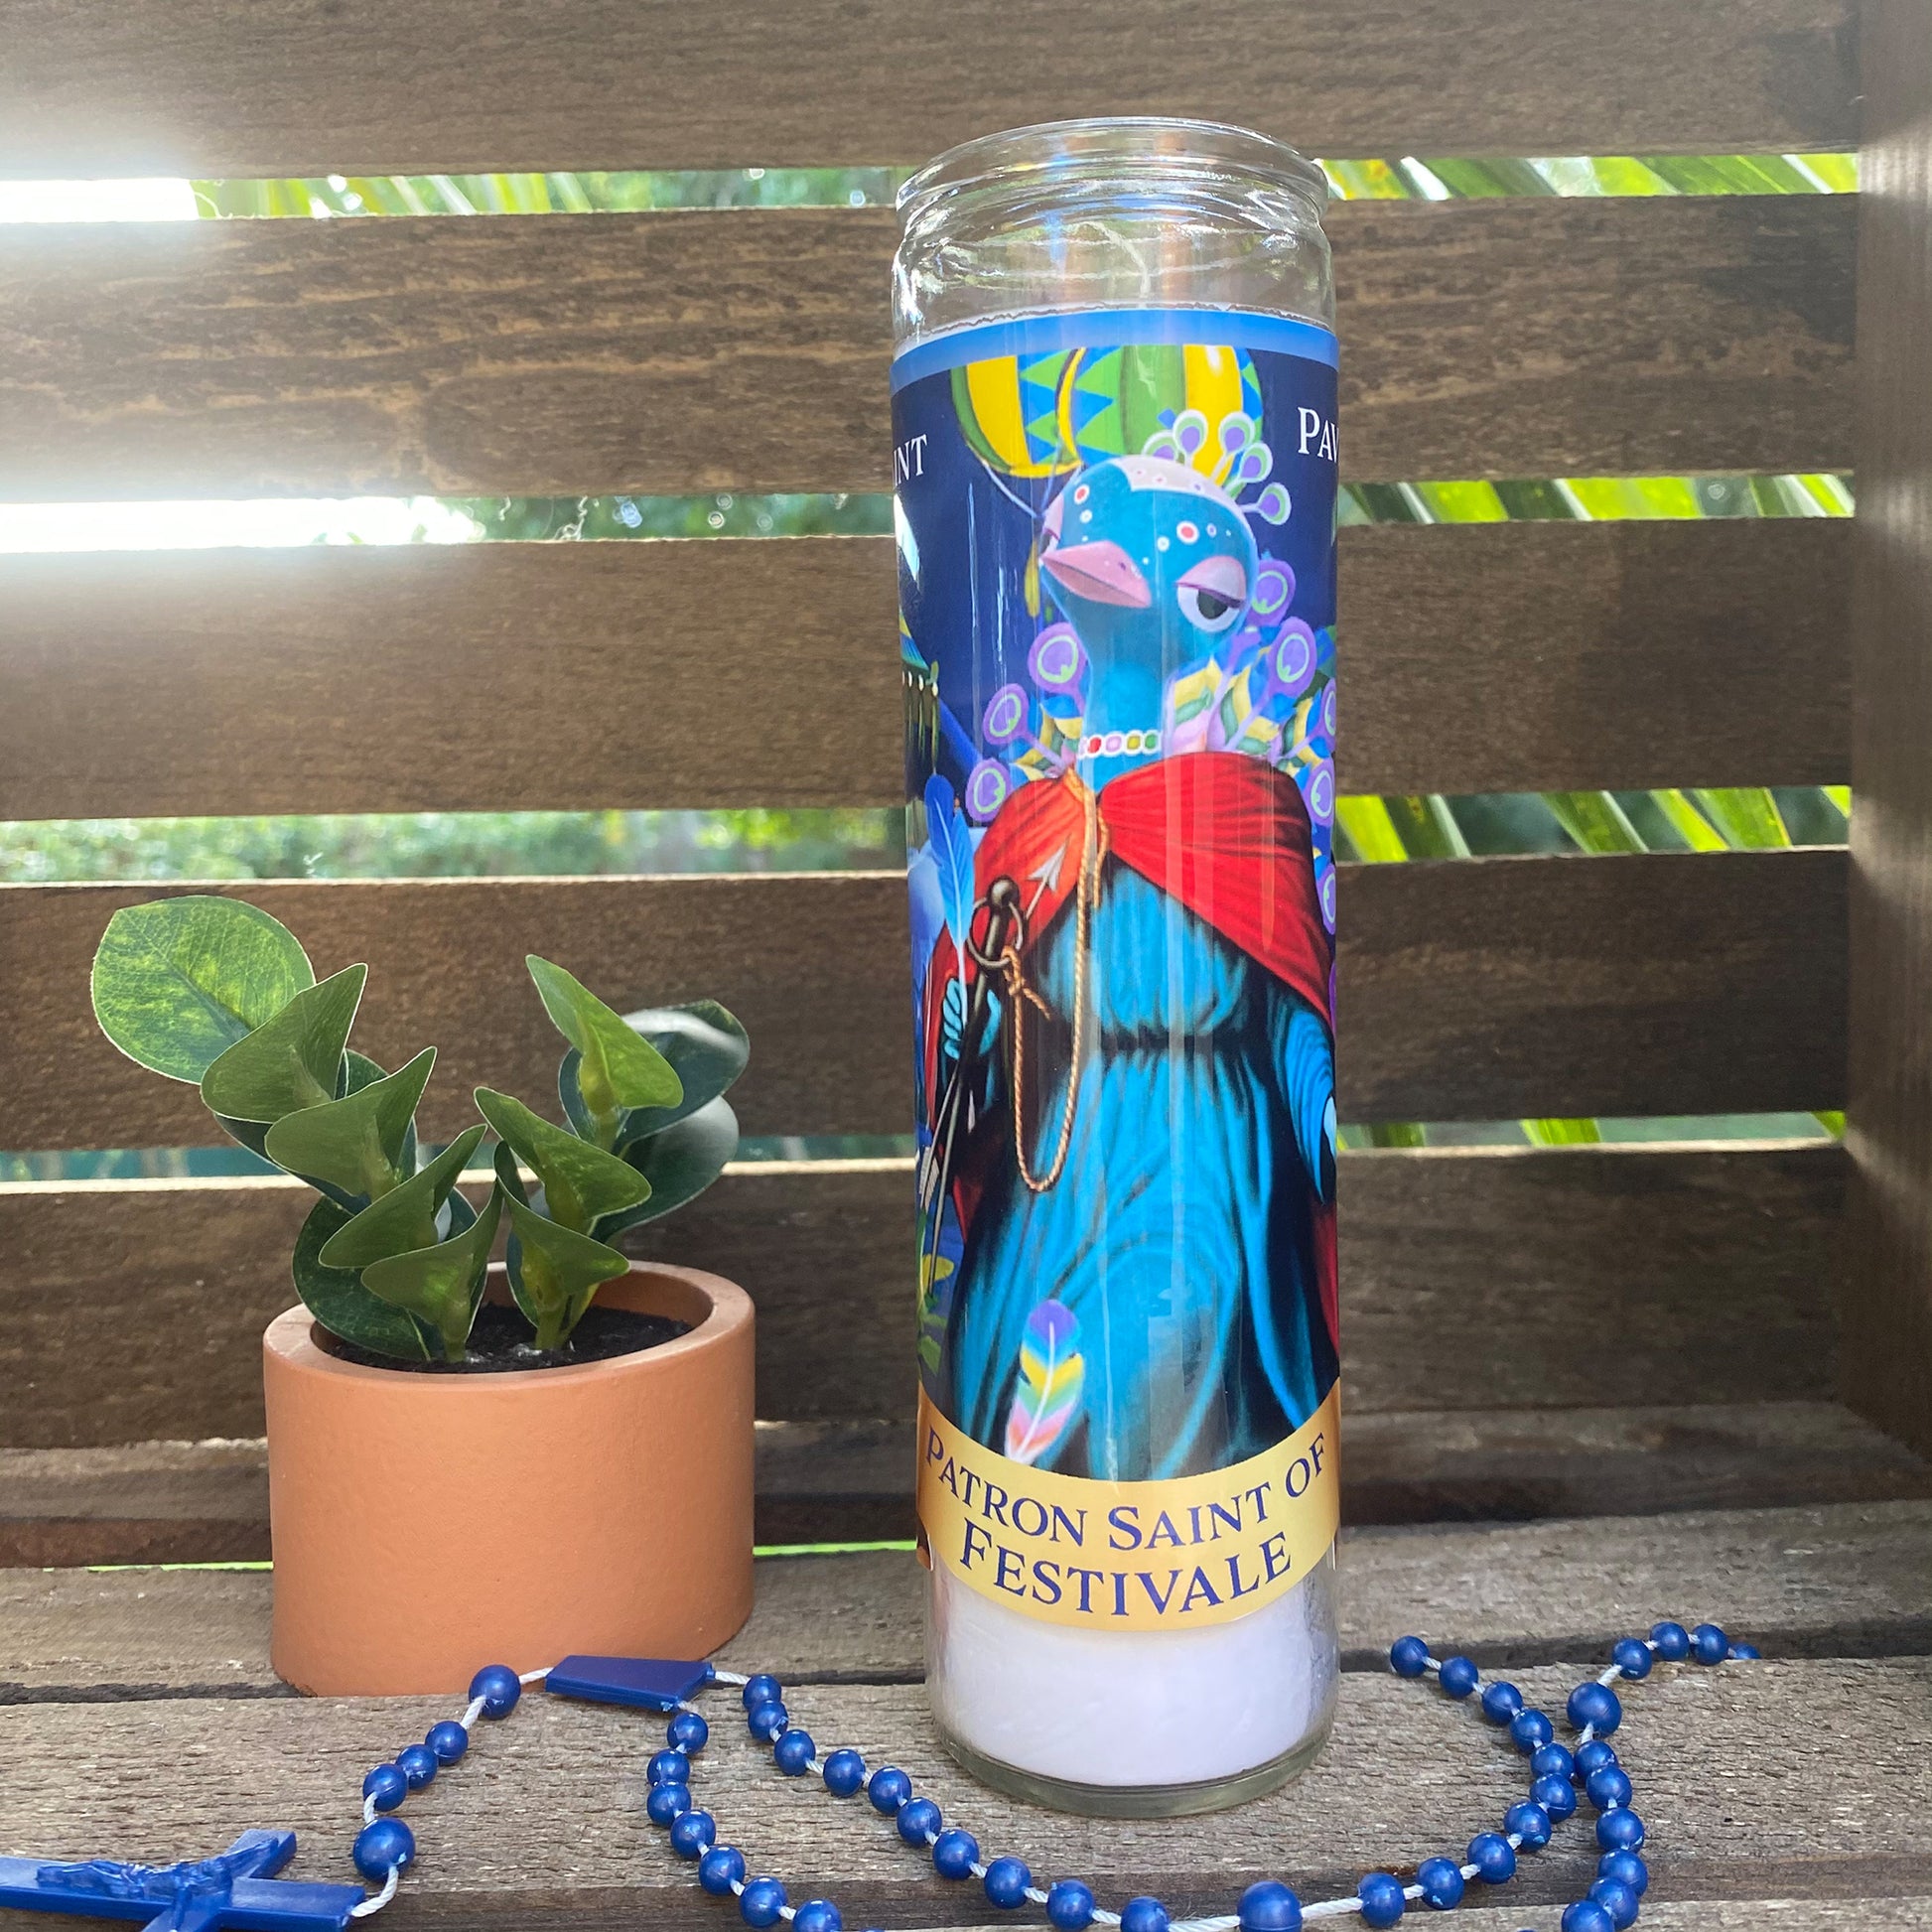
1114	328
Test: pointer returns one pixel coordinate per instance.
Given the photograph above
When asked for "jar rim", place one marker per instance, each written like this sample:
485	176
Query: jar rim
1116	147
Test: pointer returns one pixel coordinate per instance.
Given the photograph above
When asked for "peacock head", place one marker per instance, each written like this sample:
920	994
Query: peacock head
1151	561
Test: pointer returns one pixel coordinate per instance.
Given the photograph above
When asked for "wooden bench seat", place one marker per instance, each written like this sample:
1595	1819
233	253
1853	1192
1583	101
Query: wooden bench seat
138	1714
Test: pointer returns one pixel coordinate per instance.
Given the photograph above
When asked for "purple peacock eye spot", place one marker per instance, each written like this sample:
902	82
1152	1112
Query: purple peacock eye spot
1256	462
1274	588
1292	657
1321	792
1056	661
1274	503
985	789
1005	717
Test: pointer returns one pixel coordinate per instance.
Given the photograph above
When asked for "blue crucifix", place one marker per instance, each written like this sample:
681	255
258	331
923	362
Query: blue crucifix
234	1892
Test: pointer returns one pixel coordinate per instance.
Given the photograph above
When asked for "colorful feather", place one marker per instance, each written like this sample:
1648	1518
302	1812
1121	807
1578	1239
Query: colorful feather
951	847
1051	1376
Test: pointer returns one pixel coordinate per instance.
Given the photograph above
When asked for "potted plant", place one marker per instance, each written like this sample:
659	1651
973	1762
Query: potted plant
471	1461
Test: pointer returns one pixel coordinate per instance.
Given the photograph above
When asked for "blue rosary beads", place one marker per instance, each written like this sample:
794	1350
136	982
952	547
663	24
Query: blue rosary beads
1558	1773
385	1846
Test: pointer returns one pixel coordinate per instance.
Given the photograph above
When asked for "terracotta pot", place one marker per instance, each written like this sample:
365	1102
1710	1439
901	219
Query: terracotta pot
426	1525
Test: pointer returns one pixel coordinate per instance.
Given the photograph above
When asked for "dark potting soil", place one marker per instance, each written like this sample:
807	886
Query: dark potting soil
500	1341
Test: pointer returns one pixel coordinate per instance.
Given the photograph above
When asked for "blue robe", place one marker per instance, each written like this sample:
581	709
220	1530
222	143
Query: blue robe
1181	1232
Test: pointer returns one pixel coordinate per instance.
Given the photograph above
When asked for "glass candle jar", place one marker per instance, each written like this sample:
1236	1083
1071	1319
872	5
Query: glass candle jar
1114	443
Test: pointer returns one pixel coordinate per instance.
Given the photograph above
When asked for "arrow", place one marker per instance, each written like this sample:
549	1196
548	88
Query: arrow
1048	875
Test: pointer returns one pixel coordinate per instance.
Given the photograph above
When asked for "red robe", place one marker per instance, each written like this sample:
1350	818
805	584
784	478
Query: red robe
1226	835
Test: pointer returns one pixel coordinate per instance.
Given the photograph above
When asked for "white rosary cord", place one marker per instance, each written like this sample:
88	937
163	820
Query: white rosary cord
468	1720
377	1900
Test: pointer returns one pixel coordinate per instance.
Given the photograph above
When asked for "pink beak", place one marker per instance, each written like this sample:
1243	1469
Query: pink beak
1103	573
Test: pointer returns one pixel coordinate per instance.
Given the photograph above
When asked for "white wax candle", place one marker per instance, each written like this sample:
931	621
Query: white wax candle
1147	1709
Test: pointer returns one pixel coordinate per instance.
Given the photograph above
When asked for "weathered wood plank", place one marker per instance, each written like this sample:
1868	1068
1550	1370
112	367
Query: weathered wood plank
1518	1464
1785	1914
1650	984
1834	1581
206	1501
1662	990
1593	655
153	1502
1586	655
1729	1764
1721	1265
1727	1256
365	89
834	1482
815	965
105	1285
746	349
1889	1314
1403	1466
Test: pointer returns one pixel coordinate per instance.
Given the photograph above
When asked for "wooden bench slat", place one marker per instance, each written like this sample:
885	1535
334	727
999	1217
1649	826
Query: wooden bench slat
746	349
1718	1756
1792	1915
1480	990
1661	989
1832	1581
1497	657
1721	1263
168	1502
455	88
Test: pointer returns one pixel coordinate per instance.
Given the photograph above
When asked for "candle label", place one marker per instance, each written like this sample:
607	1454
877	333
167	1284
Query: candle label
1116	536
1128	1556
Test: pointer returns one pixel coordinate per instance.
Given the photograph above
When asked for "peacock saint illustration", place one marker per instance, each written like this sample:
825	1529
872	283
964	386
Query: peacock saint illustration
1151	1072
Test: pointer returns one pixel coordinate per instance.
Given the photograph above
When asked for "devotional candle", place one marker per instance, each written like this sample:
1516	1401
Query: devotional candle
1114	454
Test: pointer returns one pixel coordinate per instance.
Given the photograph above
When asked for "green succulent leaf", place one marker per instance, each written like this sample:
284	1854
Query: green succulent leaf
680	1164
292	1060
359	1071
251	1134
405	1217
555	1272
338	1300
355	1144
706	1048
179	981
617	1068
442	1286
570	1091
505	1161
580	1181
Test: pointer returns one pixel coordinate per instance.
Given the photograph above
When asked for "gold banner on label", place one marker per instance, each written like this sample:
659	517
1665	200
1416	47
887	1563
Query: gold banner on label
1130	1556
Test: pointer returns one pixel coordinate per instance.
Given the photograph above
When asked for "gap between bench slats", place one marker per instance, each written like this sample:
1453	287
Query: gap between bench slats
1730	1765
1474	990
1720	1263
821	1483
1845	1579
458	86
746	349
1493	657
